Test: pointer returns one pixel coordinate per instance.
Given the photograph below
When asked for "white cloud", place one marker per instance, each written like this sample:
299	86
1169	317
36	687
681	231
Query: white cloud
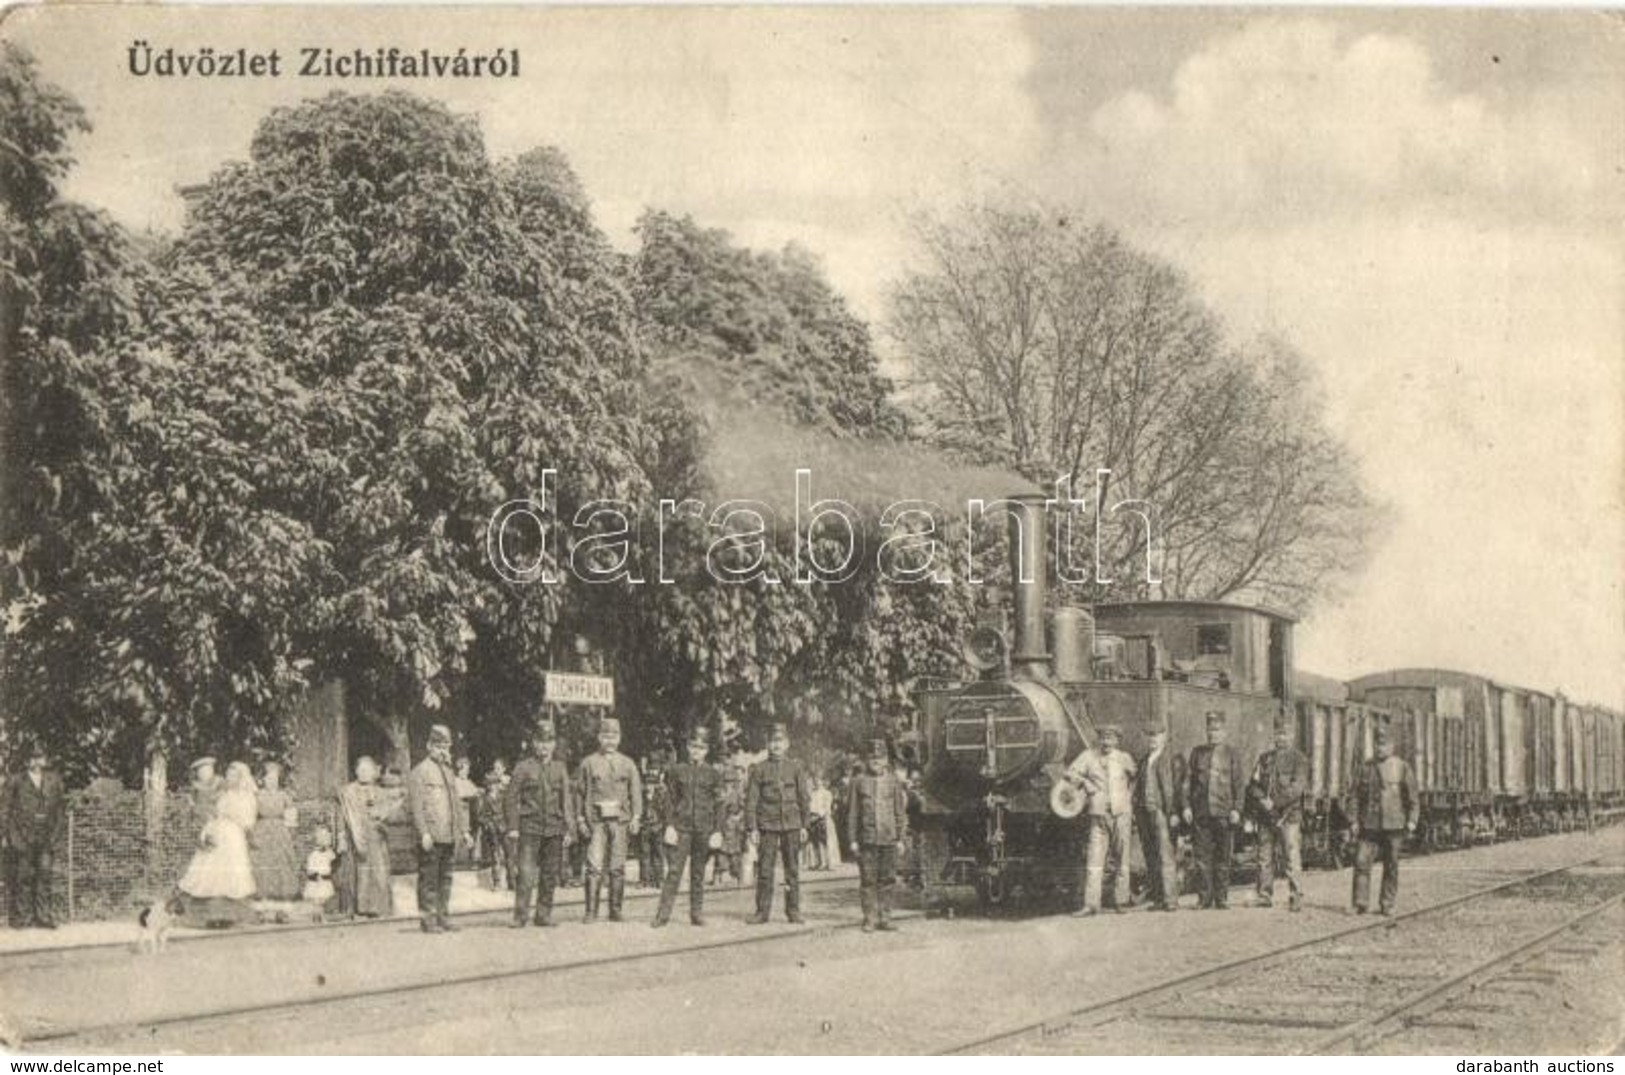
1294	117
1452	265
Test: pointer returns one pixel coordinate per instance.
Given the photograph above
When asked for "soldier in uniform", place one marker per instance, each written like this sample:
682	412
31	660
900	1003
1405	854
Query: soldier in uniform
1158	801
1276	792
1106	775
778	801
876	832
34	807
693	814
1386	808
437	816
1215	791
611	806
540	810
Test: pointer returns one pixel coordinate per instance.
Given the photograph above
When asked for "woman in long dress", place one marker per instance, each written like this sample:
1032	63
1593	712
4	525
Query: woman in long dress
363	870
276	864
219	881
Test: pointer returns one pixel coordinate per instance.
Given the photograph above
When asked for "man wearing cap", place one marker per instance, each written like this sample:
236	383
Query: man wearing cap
611	804
692	816
1215	789
778	801
1276	794
1158	800
540	810
1106	775
33	809
1386	808
437	817
876	832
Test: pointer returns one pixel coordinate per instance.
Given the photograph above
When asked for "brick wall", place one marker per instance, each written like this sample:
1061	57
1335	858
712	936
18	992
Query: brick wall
111	867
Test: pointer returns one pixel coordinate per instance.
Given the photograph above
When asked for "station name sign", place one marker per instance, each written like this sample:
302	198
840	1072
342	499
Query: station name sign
564	688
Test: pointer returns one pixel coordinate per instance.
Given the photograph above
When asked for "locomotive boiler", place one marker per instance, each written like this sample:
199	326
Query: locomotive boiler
993	747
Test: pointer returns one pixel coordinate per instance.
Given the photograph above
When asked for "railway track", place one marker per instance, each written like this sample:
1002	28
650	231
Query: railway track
93	1036
566	907
1341	992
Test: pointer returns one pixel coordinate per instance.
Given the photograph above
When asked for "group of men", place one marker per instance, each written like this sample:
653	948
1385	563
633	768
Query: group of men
546	810
1211	793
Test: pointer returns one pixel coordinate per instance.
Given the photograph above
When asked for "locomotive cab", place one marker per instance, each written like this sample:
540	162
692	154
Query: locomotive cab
995	748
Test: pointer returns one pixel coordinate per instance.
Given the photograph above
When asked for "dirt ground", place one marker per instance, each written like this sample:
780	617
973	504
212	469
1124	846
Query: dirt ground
819	989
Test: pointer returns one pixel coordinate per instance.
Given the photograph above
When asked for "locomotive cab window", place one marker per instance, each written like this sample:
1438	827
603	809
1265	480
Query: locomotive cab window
1213	640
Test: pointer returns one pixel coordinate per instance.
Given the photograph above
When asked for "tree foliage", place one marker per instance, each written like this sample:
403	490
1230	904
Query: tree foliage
71	284
366	338
744	340
1061	350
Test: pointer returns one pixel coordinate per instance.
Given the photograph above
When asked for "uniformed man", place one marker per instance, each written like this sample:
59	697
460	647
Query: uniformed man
34	807
431	791
540	810
778	801
1158	800
1386	808
611	806
876	833
1106	775
1279	783
693	815
1215	790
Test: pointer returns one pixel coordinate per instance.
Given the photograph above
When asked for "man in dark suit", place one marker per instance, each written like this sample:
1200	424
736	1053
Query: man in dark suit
540	812
438	818
1386	809
692	814
1158	801
778	802
34	808
1215	790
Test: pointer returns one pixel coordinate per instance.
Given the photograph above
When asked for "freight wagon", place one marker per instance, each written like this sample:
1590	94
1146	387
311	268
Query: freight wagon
1496	760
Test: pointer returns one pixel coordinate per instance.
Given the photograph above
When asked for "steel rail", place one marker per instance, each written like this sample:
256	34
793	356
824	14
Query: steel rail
293	1004
277	929
1390	1021
1225	971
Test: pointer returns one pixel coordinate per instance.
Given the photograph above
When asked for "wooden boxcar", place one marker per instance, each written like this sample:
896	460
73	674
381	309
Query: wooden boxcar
1494	759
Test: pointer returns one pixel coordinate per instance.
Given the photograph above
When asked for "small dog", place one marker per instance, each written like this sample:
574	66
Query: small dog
156	920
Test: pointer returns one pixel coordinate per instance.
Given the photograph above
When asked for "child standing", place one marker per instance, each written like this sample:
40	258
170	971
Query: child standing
318	890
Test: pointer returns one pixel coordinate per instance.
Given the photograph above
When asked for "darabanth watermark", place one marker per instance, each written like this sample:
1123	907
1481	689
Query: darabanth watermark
911	549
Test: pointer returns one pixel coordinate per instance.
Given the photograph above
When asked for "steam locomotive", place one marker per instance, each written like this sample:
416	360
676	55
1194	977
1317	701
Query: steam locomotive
1491	760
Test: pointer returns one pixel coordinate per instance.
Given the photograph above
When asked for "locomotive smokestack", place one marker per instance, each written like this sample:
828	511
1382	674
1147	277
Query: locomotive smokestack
1028	579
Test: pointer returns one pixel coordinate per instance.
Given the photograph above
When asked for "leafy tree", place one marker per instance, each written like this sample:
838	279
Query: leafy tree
761	368
366	338
1060	349
460	331
71	285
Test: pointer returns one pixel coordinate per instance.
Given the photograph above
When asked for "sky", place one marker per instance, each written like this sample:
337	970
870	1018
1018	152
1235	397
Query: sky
1427	203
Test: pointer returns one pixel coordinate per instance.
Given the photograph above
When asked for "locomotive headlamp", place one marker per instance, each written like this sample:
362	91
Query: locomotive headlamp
984	649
